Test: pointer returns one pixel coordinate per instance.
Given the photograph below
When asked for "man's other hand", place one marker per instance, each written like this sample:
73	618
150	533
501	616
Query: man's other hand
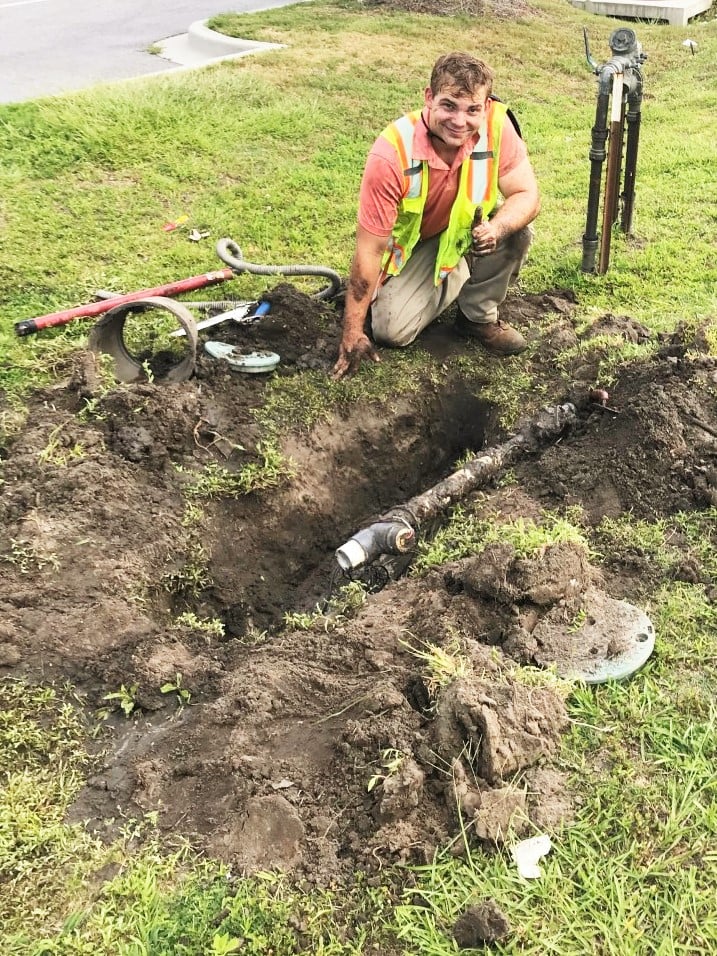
351	353
485	238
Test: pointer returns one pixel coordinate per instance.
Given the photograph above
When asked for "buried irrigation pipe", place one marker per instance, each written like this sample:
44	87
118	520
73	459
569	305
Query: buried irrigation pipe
397	531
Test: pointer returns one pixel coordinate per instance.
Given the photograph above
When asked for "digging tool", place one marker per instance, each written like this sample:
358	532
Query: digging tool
29	326
239	314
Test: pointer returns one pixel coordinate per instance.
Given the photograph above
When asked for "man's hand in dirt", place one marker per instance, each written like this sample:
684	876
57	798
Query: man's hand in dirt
351	353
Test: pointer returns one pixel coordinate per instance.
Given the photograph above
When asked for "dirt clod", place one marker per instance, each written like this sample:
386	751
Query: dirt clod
481	923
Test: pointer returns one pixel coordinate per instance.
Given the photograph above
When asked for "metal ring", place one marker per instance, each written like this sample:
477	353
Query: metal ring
107	336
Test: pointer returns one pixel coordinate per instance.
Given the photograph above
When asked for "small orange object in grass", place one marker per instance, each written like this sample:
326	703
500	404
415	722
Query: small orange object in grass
180	221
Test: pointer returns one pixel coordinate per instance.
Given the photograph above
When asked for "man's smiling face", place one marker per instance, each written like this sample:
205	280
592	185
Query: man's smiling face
453	116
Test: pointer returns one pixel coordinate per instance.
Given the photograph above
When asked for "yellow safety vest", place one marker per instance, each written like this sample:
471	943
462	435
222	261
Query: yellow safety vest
477	186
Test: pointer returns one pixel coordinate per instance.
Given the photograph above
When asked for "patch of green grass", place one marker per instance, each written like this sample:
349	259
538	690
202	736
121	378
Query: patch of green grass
210	627
333	613
214	481
43	761
688	621
611	351
626	535
700	529
511	390
26	557
58	451
302	402
465	535
391	762
65	892
441	664
541	677
190	578
667	542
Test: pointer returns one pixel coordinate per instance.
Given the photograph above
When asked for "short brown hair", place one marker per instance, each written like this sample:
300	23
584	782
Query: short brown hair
461	72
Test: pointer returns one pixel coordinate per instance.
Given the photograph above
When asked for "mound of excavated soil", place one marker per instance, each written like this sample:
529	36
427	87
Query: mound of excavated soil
270	763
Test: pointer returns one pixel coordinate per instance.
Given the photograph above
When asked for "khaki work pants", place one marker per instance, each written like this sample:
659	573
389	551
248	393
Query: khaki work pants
405	304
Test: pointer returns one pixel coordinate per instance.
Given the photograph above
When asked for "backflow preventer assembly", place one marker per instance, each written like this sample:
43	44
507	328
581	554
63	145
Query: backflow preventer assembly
619	102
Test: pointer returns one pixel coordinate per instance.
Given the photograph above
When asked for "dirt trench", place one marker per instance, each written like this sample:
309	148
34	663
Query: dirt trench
322	750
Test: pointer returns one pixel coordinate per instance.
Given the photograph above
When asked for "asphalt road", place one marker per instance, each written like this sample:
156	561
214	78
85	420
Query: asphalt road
54	46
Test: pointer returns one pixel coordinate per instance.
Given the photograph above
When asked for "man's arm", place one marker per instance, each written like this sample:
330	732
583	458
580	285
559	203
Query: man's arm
521	205
365	272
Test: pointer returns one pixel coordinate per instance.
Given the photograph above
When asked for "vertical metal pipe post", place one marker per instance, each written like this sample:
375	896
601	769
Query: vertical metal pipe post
597	158
633	118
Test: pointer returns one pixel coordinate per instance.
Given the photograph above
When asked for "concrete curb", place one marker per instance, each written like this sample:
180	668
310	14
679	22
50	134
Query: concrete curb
214	45
200	45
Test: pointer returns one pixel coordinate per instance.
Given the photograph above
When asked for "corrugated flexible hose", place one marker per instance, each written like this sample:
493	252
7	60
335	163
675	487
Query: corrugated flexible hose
230	253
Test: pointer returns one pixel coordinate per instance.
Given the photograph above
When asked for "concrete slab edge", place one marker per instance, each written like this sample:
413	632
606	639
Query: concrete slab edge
215	45
674	12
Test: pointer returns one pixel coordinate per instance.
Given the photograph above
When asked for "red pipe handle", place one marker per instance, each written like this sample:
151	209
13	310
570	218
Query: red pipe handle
28	326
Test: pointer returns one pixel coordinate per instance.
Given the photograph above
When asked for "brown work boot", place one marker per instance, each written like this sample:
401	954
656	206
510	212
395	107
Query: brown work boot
497	337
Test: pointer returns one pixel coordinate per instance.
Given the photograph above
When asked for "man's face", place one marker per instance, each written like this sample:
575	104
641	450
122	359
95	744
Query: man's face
455	117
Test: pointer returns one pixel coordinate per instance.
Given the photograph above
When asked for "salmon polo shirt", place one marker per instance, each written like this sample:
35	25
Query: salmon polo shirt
382	184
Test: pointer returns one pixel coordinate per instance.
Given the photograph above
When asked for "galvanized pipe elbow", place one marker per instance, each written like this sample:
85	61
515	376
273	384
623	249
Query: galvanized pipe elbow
608	71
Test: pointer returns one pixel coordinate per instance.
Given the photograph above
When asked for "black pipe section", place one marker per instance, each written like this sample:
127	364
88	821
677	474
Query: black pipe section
598	155
633	118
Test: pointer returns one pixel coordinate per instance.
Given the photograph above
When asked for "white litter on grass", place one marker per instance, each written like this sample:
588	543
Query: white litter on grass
283	784
690	44
527	853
